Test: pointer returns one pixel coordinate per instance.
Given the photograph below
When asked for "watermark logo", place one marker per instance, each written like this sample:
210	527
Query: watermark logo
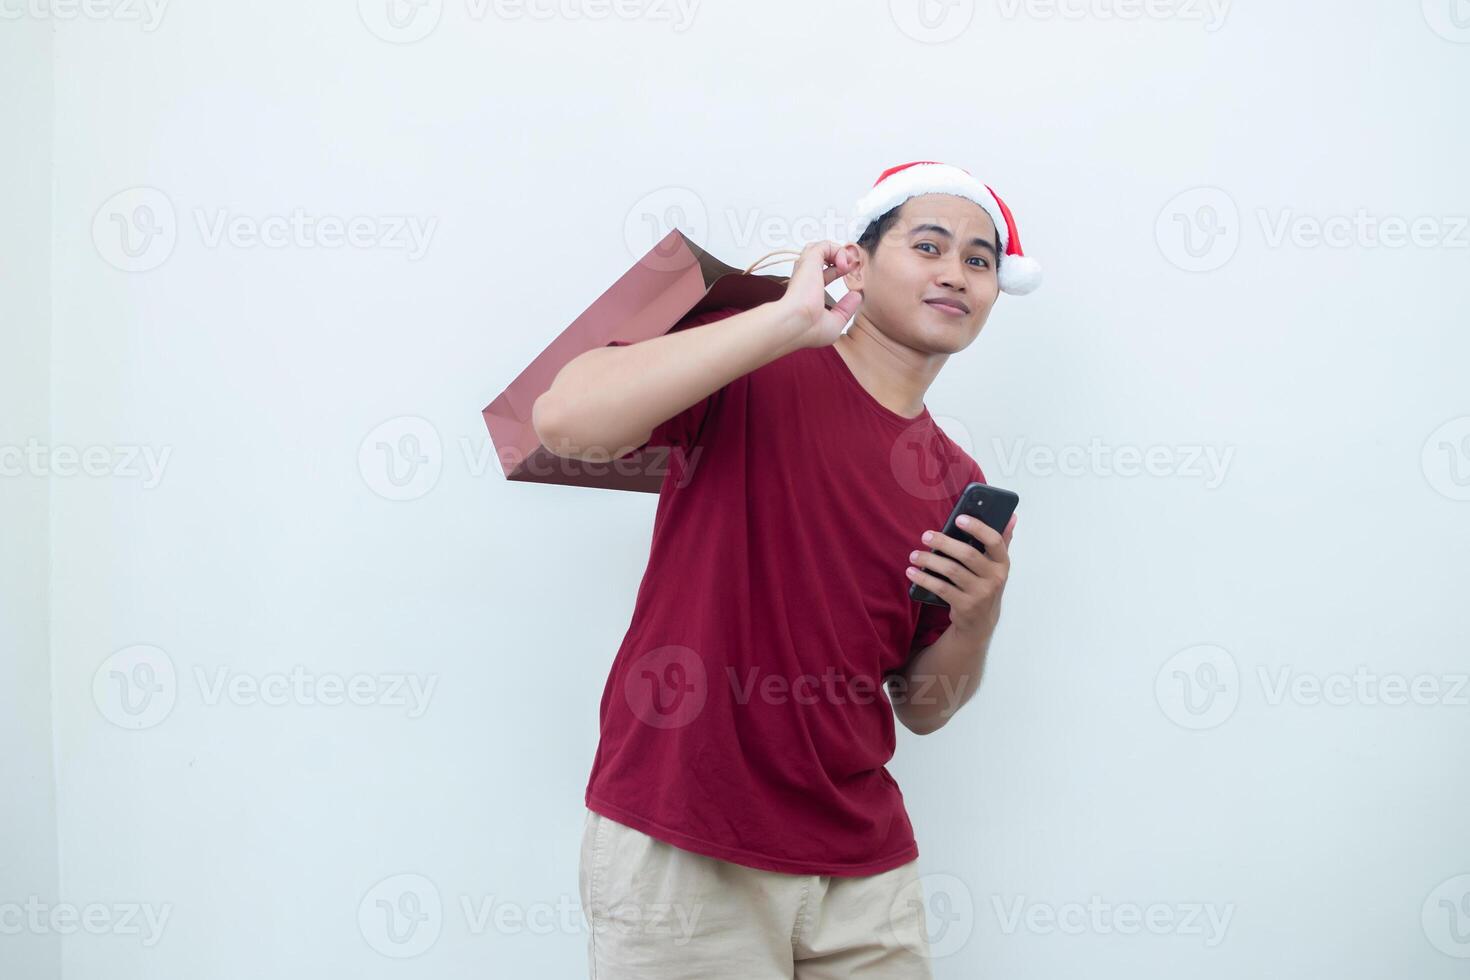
666	687
401	916
923	464
932	21
136	687
401	21
657	213
1446	459
402	458
135	230
1446	917
1198	687
1450	19
941	908
1199	230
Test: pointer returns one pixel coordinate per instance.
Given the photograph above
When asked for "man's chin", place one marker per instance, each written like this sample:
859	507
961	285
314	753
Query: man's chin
943	338
928	331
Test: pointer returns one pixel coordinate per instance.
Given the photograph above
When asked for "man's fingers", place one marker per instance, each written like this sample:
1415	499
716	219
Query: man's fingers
956	571
831	274
934	584
848	304
965	554
995	545
832	254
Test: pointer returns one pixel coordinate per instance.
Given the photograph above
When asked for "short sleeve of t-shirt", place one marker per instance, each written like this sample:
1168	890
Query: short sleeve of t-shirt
934	620
683	430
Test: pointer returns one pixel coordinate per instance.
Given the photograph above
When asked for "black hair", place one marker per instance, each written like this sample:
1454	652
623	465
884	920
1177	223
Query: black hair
878	227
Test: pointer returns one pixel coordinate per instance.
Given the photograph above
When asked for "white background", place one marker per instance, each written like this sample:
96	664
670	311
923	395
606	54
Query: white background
1130	746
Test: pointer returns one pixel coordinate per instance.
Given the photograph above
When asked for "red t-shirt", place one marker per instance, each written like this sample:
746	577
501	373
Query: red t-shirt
744	716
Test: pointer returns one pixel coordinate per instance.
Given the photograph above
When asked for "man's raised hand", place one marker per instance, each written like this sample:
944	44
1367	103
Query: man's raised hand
820	264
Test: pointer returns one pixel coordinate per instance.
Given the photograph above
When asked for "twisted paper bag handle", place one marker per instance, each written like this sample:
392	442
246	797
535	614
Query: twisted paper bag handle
762	260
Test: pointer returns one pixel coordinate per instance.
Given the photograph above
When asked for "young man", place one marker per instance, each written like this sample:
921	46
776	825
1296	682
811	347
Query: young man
741	822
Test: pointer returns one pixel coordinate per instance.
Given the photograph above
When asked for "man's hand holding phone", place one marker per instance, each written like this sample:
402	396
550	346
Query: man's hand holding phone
976	579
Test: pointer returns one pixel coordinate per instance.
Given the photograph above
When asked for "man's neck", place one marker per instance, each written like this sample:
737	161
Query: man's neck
895	376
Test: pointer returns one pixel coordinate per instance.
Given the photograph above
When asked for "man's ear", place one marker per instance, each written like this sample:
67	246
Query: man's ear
859	259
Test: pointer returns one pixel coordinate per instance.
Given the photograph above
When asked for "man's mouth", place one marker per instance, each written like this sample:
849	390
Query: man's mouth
947	306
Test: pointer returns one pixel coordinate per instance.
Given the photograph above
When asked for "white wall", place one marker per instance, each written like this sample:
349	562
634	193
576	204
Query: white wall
245	525
28	858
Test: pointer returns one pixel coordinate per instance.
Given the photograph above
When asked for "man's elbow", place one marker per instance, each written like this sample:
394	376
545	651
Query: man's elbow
547	424
564	436
927	726
550	422
917	721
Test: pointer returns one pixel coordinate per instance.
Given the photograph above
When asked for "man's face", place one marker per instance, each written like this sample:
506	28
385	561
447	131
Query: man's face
931	254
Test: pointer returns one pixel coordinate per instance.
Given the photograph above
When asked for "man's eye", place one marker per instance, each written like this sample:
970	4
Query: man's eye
922	244
983	262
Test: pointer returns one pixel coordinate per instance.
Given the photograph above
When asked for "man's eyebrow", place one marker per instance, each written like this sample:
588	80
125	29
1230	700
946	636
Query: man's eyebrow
945	233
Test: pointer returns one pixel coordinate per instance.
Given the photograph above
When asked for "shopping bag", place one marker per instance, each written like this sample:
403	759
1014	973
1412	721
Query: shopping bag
674	281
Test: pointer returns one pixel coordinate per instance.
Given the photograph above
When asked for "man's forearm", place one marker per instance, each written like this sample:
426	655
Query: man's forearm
608	400
940	678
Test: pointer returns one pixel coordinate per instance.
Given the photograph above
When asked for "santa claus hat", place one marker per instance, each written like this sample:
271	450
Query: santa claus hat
1018	273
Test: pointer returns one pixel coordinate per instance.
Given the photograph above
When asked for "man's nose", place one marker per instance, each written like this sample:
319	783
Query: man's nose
952	280
953	275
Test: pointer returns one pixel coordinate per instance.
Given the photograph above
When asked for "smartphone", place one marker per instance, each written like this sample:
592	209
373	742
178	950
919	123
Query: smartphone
991	505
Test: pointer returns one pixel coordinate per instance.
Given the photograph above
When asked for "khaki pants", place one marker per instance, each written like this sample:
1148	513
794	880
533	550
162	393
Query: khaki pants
657	912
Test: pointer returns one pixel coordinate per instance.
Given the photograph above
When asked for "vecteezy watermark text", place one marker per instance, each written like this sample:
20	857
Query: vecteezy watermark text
410	21
138	686
1201	686
37	459
1201	229
403	916
38	918
402	459
1099	917
148	13
137	229
1096	458
1210	13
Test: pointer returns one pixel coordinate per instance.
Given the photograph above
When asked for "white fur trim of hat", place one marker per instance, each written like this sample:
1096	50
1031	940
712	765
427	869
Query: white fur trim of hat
1018	275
